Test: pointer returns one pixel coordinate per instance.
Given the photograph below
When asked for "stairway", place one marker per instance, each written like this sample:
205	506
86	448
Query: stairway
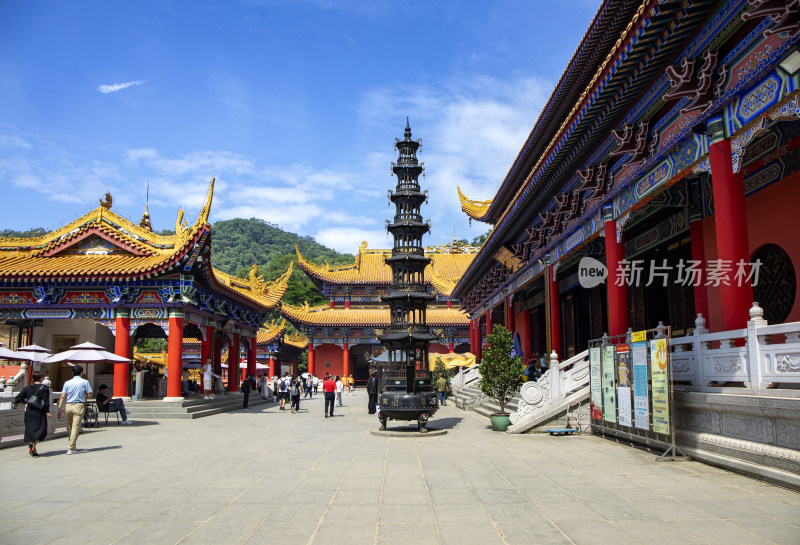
190	408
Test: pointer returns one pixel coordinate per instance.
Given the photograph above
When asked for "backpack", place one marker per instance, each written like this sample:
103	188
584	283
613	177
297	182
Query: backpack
295	390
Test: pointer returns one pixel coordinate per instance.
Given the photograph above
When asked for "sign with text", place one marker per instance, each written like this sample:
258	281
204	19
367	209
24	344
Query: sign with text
624	389
660	377
596	382
640	397
609	385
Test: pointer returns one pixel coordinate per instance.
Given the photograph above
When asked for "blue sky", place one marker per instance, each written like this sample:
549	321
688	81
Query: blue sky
292	105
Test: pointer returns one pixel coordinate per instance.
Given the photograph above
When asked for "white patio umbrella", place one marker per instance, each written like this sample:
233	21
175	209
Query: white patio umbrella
35	354
86	353
6	354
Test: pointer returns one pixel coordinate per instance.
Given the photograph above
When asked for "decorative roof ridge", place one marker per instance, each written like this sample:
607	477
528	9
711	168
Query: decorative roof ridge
254	284
474	209
543	115
445	286
103	213
106	231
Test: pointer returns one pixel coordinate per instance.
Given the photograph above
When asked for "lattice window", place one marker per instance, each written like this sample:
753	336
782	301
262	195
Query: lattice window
777	284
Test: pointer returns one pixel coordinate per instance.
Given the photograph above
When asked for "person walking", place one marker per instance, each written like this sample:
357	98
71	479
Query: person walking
297	387
245	388
329	390
37	411
73	394
316	384
283	390
441	388
307	386
339	389
372	392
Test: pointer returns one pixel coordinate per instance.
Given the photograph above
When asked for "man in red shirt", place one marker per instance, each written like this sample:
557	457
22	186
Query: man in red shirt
329	387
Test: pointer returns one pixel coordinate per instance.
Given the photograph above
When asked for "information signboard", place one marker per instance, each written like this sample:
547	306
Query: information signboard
660	380
624	388
596	382
641	403
609	385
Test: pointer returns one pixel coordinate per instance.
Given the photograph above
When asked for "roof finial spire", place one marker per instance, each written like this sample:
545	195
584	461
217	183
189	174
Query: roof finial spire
145	222
407	134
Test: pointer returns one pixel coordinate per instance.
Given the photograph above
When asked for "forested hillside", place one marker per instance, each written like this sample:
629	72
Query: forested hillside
238	243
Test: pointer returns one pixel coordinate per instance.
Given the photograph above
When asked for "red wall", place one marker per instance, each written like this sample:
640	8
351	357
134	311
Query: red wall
328	352
772	217
438	348
522	325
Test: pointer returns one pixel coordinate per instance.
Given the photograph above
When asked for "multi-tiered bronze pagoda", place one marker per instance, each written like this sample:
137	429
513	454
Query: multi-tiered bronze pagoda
406	383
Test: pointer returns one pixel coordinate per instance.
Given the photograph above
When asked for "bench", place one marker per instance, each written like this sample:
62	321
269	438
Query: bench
561	431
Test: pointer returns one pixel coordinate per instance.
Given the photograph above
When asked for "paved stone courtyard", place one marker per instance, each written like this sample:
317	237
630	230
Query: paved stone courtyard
267	476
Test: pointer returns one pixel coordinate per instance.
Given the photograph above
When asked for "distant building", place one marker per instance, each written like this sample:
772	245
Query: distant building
343	333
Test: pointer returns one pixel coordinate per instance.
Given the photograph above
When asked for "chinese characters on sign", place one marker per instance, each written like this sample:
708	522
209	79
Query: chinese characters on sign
688	272
624	389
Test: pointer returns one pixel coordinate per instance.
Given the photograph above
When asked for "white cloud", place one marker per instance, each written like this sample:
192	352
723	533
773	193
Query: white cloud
13	141
114	87
348	239
472	131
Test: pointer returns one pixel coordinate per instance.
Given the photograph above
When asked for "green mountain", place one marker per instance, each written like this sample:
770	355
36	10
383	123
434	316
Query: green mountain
239	243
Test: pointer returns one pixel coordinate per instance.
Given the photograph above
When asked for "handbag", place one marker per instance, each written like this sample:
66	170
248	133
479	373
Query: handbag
35	401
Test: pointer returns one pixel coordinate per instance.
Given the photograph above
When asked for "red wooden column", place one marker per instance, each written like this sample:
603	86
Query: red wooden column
295	370
333	304
489	323
272	370
730	220
478	338
524	330
122	347
510	323
205	345
252	352
555	311
218	354
233	364
347	303
346	360
451	347
617	295
311	363
174	354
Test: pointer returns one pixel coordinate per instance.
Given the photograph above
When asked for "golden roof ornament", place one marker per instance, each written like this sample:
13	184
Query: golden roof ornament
106	203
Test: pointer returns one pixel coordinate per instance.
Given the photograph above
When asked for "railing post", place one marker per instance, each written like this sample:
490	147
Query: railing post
555	378
697	350
753	347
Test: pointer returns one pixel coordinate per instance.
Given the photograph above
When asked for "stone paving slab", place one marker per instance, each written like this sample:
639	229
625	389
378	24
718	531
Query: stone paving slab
267	476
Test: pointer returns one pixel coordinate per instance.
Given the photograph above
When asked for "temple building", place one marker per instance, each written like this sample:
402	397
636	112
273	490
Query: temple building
342	334
105	279
669	152
277	350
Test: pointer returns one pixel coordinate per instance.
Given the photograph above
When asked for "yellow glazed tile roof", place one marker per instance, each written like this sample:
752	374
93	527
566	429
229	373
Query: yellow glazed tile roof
103	244
474	209
366	316
448	264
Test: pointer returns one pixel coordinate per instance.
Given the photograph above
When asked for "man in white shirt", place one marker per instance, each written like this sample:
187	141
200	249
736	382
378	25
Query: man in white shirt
315	381
74	395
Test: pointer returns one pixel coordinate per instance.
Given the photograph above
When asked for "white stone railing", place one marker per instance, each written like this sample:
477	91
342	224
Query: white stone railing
558	385
12	419
464	377
745	355
7	384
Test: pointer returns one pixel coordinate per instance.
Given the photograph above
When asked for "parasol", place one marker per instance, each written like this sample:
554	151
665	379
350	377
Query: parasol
86	353
6	354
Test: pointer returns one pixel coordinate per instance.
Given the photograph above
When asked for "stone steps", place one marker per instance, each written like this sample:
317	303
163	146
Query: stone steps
189	409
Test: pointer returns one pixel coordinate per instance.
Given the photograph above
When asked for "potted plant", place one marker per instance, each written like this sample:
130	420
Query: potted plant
501	373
